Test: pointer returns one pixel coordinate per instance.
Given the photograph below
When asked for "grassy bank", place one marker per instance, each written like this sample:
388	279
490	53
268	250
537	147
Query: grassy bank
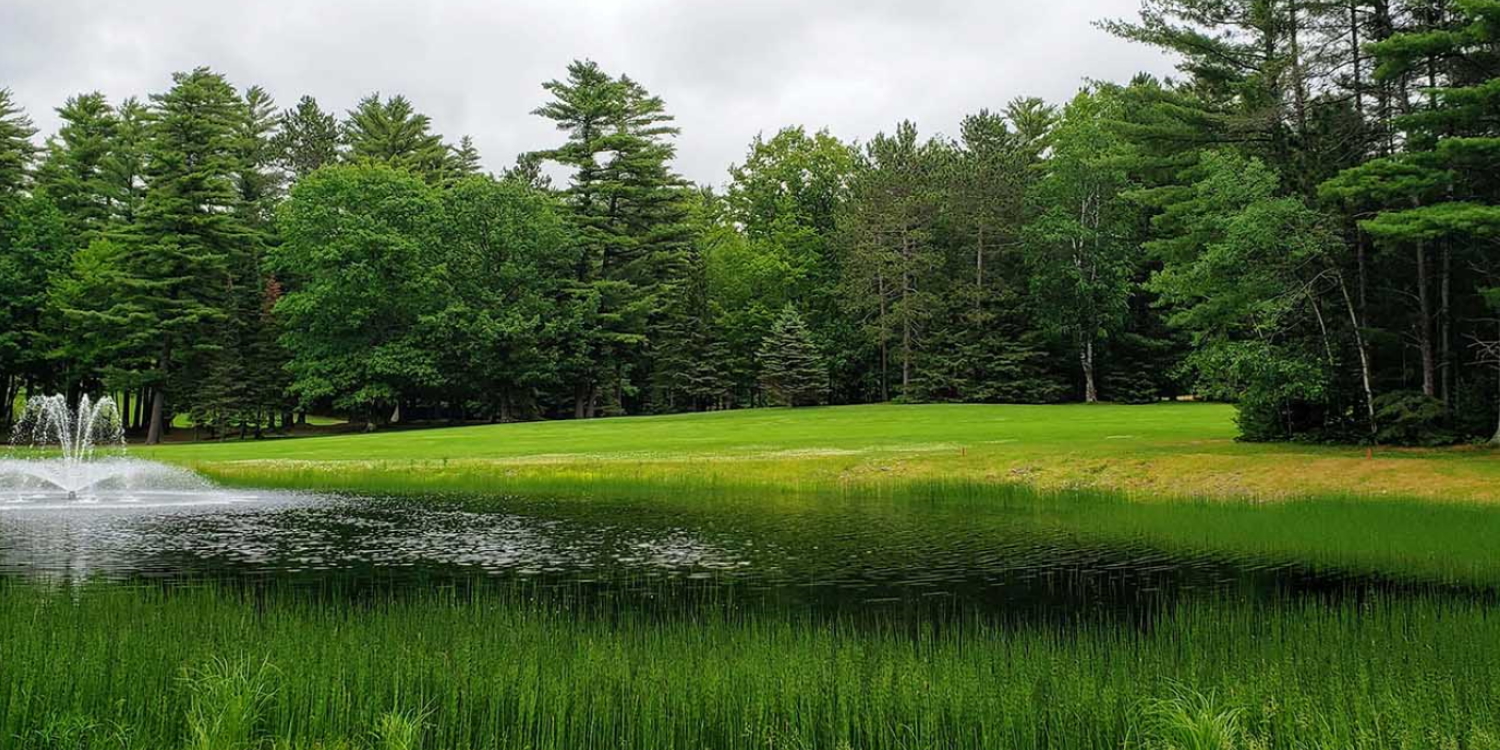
1160	450
148	668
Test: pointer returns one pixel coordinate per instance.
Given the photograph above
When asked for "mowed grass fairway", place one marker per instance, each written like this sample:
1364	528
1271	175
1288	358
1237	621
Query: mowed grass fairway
1160	450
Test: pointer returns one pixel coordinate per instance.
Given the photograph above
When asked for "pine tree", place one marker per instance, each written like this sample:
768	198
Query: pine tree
16	148
259	182
463	159
528	171
1440	196
393	132
124	167
180	256
308	139
73	172
791	368
16	153
629	211
891	260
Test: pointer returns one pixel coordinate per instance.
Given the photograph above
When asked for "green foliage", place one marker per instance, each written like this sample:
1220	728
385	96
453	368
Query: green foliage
503	266
308	139
891	262
1412	418
399	730
1302	220
630	214
16	148
792	371
73	171
1079	256
503	667
228	699
392	132
1193	721
362	246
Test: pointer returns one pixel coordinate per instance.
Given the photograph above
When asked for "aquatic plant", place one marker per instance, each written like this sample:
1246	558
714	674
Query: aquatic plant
499	668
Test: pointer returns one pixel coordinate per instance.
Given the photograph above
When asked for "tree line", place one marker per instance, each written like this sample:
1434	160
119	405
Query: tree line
1303	222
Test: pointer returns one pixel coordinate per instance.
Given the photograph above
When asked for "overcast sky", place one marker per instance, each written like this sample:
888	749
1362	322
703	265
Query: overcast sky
727	70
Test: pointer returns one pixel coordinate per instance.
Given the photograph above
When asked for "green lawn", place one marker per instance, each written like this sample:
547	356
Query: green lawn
1169	449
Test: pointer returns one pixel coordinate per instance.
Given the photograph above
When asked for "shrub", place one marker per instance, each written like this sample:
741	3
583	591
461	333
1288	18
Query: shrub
1412	418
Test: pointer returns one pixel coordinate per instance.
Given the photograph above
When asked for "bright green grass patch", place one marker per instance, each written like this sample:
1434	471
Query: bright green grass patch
139	668
932	427
1159	450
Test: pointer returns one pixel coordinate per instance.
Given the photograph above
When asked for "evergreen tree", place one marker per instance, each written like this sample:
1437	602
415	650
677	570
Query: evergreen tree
464	159
528	171
1438	202
180	255
16	148
260	183
35	247
393	132
308	139
891	261
124	167
791	368
73	172
778	246
688	363
16	153
630	212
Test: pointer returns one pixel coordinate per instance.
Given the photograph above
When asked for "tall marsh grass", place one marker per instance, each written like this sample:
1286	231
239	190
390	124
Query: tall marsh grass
162	668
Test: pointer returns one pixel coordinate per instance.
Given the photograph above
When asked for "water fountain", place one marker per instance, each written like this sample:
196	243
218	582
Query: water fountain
77	455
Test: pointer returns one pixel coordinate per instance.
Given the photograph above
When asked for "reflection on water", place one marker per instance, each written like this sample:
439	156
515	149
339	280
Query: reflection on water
840	554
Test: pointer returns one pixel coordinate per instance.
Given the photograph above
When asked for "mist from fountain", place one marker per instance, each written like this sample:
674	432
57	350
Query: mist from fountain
77	454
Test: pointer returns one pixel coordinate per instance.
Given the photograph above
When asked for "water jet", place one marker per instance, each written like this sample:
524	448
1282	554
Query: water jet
76	454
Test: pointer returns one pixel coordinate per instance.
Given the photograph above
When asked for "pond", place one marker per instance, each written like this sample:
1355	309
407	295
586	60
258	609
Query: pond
657	617
844	555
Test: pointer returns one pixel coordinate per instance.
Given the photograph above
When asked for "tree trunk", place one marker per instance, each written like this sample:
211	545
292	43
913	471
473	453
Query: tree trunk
158	407
979	270
1086	358
1424	324
1496	439
885	356
905	327
1361	279
1299	75
1359	91
7	403
1386	93
1445	325
1364	358
125	409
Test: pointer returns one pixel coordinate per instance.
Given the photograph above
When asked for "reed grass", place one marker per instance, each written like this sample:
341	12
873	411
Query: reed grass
133	667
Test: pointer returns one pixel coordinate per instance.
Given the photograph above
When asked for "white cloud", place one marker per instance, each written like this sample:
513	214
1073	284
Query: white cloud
727	69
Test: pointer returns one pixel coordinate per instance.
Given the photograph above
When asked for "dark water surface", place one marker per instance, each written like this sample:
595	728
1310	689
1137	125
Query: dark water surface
840	555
